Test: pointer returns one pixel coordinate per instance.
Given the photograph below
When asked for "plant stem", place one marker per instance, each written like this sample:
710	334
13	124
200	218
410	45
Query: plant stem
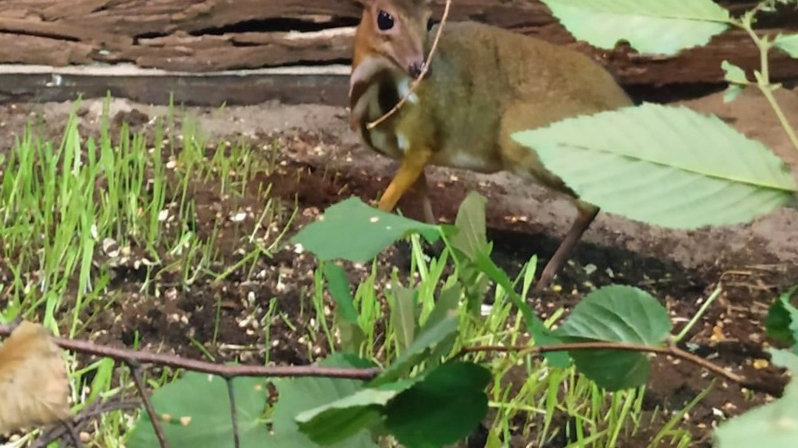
780	115
763	78
231	397
135	370
715	294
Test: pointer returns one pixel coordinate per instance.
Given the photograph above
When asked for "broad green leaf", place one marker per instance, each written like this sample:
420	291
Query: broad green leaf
470	222
404	305
297	395
203	419
616	314
669	166
650	26
418	350
733	73
351	230
774	425
612	369
788	43
337	421
782	319
339	290
442	408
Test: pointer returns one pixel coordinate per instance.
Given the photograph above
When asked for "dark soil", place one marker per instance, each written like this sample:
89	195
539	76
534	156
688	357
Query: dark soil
320	164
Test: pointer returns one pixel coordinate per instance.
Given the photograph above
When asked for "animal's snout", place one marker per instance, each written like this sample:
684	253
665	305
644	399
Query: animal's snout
416	69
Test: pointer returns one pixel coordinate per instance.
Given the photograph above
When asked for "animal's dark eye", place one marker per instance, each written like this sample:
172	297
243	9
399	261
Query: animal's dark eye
430	24
384	20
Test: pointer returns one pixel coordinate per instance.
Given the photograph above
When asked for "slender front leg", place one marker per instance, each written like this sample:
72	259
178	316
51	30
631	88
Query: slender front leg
411	168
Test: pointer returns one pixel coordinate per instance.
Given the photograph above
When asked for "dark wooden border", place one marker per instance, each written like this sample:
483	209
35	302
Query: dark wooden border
325	85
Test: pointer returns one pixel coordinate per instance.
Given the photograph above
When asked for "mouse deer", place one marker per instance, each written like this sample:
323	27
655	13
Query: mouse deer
483	84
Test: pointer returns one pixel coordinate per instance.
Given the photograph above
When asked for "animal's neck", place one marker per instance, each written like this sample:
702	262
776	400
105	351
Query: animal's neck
362	71
364	86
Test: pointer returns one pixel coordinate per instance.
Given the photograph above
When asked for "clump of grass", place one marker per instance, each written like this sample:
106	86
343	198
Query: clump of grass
75	210
528	398
70	212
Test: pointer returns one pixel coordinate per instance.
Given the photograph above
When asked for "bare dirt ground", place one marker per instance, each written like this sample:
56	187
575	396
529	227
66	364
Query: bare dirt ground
322	163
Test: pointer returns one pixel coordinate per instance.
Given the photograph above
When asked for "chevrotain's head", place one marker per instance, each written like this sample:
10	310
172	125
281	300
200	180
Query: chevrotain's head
396	30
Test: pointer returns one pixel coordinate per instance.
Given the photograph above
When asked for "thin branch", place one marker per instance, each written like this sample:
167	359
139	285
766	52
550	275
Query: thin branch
226	371
135	369
233	413
424	71
669	351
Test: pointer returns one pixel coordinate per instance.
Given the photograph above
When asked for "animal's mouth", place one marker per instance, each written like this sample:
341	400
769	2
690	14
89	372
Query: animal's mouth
415	70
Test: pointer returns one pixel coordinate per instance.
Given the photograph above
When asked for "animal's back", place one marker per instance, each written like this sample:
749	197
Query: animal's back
487	83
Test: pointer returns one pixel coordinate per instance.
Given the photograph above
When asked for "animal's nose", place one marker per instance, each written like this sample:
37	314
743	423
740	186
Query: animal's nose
415	69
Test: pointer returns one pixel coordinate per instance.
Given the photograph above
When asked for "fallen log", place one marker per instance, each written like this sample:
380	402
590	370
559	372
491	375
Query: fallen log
217	35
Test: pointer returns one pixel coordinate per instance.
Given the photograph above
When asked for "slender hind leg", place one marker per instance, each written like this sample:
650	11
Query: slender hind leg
585	215
524	162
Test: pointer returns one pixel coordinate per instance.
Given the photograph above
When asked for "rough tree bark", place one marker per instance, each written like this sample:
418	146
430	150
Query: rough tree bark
213	35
